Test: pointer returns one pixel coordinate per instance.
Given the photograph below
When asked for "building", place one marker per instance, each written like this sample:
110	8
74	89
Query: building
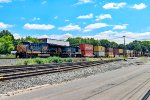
54	41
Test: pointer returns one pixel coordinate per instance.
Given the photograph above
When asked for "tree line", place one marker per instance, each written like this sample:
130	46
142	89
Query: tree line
143	46
9	43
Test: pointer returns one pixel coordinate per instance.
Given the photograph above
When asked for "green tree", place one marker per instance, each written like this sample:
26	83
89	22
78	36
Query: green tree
135	45
6	44
27	39
74	41
31	39
113	45
105	43
78	40
6	33
145	46
121	46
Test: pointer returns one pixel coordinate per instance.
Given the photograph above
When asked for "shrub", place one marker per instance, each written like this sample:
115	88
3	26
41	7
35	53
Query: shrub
26	62
55	60
39	61
50	59
68	60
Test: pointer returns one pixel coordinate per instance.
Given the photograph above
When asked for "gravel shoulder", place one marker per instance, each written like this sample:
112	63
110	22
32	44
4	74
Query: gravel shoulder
9	62
8	87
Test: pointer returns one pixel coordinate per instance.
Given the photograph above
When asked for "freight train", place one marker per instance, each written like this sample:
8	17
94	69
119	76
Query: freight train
43	49
29	50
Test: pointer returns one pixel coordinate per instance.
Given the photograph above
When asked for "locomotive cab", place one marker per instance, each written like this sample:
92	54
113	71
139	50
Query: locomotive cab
22	49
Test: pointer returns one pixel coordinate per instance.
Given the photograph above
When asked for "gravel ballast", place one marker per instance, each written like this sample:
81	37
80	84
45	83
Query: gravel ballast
55	78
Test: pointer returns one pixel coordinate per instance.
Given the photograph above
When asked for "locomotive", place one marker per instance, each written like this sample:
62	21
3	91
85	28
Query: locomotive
30	50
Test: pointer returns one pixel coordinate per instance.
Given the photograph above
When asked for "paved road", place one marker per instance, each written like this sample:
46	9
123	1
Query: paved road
130	83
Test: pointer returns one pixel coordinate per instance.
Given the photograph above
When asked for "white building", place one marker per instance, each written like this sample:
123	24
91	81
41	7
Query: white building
54	41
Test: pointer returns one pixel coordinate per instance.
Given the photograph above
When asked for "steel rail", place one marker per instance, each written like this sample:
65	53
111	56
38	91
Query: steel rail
146	96
48	69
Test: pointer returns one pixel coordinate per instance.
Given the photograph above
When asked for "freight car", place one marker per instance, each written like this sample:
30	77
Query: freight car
109	52
86	50
99	51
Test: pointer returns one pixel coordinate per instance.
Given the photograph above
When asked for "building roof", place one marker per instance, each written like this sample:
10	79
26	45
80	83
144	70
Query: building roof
52	39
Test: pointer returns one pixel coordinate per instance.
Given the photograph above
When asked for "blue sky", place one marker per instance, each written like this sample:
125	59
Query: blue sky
60	19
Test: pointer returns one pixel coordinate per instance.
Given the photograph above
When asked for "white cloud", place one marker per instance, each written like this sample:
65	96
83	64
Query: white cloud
85	16
41	36
22	18
139	6
54	36
120	27
102	35
70	27
117	36
44	2
103	16
5	1
84	23
94	26
83	2
35	19
16	36
67	20
56	17
114	5
38	26
68	35
4	26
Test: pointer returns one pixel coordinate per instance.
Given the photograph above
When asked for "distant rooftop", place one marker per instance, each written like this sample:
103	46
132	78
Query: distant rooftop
50	39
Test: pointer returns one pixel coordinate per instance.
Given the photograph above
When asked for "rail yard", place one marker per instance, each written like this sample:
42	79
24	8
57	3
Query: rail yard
25	79
52	62
74	50
12	72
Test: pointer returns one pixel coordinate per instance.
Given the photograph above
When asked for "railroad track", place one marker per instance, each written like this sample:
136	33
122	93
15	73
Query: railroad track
13	72
146	96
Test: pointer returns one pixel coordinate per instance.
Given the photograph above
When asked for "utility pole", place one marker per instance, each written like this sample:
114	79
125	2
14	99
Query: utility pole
124	46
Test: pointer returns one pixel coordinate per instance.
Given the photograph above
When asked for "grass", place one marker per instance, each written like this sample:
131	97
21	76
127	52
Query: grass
46	60
50	60
58	60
